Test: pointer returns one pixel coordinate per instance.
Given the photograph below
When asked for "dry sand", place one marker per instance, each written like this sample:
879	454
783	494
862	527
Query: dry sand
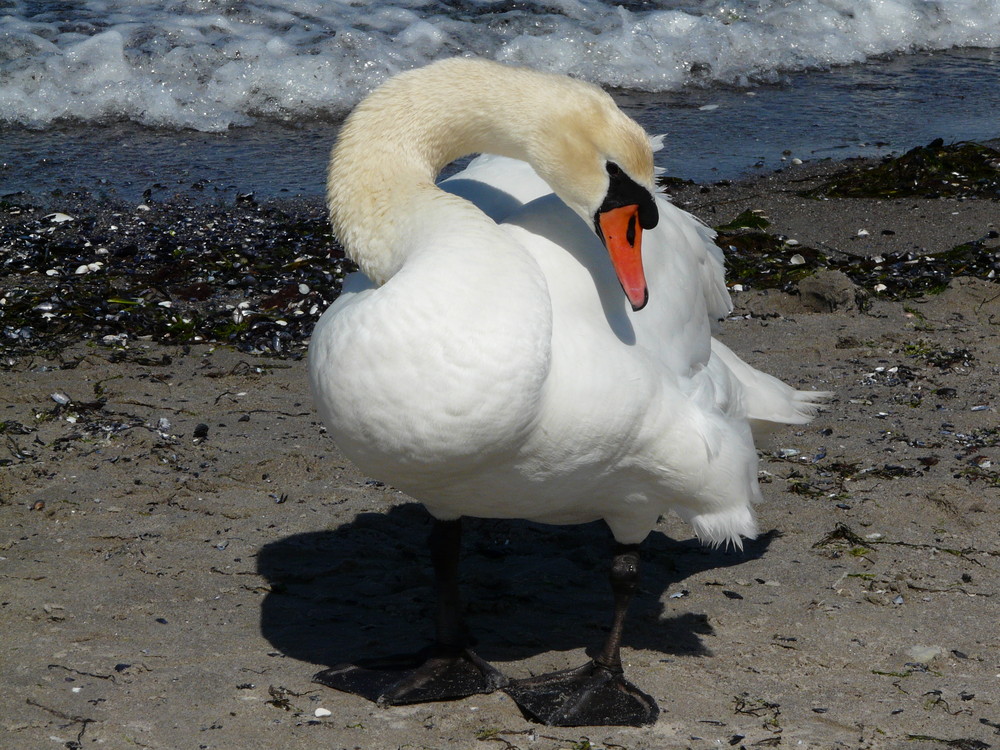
182	546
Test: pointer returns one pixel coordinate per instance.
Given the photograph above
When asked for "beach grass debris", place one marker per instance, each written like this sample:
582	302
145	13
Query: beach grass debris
749	219
843	536
759	708
756	259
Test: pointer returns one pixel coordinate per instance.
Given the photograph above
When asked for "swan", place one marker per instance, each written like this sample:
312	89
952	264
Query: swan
532	338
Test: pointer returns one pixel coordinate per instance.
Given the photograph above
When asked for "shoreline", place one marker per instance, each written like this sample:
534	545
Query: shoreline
874	108
185	547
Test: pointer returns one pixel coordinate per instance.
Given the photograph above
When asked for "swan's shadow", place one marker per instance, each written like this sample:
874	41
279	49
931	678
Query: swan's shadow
365	589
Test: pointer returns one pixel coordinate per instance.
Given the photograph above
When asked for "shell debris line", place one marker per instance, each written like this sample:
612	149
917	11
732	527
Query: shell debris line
257	276
253	276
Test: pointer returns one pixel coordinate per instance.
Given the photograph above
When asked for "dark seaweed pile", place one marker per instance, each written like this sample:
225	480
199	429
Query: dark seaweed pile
958	170
253	276
757	259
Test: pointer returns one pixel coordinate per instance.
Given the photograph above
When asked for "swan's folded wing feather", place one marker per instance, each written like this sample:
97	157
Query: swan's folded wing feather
767	400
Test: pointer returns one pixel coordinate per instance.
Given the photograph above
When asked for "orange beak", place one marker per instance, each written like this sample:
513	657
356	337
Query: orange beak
622	236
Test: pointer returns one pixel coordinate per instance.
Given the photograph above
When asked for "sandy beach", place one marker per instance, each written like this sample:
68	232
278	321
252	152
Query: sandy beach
183	547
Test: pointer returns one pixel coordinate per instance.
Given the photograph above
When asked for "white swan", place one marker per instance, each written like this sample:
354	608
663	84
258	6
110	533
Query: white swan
488	364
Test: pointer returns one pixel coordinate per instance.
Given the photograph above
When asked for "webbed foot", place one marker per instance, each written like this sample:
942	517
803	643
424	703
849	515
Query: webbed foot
429	675
590	695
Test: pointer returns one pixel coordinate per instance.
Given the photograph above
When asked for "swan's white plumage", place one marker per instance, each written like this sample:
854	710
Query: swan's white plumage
495	368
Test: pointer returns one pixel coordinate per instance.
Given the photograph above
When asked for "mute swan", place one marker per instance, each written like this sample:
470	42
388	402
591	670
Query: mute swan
486	362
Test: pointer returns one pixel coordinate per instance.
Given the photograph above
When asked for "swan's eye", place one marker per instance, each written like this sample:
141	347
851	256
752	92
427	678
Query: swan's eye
624	191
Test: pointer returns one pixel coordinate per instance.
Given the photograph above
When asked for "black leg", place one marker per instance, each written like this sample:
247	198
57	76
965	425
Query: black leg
445	542
624	582
596	693
448	669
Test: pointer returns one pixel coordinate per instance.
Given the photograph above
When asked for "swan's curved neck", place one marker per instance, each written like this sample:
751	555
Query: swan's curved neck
391	148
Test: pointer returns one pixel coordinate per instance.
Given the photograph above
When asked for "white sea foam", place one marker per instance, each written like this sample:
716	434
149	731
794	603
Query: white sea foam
213	64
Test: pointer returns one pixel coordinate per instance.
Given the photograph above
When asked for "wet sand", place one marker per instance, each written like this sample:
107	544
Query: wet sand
183	547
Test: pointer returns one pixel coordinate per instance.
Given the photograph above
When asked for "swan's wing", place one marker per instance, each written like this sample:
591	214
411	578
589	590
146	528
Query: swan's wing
684	267
687	290
615	400
713	270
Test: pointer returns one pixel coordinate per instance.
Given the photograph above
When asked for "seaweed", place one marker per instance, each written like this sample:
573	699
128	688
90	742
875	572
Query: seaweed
756	259
253	276
958	170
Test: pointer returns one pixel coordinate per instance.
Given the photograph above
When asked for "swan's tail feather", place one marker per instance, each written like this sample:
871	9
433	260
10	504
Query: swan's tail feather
726	528
768	401
809	403
801	407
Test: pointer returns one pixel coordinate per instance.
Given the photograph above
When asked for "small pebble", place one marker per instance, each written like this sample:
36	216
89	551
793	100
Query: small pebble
320	713
924	654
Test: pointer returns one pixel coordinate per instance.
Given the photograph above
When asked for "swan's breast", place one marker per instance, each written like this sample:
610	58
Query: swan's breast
440	369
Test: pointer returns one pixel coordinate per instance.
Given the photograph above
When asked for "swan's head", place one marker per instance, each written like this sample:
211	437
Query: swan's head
600	162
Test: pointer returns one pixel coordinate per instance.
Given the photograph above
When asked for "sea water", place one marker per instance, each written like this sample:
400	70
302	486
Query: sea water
245	94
